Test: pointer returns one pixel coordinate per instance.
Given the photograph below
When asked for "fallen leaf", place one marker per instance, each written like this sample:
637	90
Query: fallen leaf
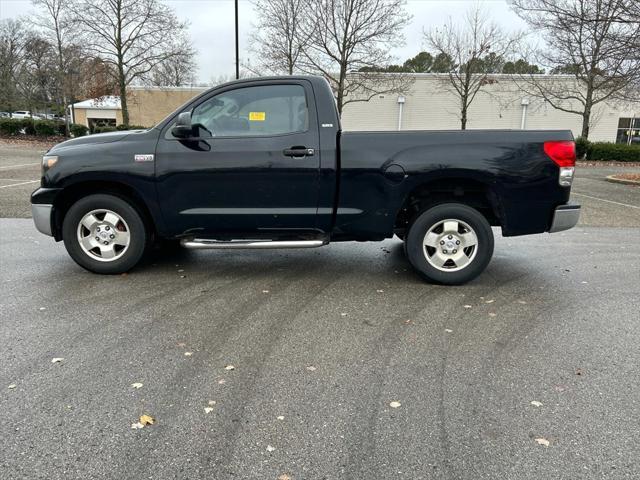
311	368
489	301
147	419
395	404
12	386
535	403
136	385
56	360
137	425
280	417
448	330
212	402
229	367
542	441
270	448
208	409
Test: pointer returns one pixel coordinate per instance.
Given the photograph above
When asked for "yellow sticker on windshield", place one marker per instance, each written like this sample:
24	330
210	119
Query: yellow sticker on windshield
257	116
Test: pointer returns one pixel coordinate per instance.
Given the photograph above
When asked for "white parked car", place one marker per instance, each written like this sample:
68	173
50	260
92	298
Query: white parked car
21	114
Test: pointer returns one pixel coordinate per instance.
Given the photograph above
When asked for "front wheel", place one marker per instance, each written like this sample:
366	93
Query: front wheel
104	234
449	244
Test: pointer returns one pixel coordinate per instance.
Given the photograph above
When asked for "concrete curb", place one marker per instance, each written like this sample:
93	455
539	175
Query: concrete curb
613	179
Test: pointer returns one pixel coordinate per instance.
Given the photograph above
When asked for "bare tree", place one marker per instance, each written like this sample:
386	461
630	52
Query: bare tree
54	21
595	41
477	49
135	36
36	85
343	36
278	44
176	71
12	49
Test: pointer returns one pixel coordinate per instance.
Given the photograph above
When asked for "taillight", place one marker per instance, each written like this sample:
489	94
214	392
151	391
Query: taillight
563	154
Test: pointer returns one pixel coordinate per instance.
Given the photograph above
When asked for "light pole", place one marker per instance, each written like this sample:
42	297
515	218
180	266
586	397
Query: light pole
237	50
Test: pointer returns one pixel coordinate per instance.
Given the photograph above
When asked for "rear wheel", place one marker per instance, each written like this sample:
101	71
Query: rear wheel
104	234
449	244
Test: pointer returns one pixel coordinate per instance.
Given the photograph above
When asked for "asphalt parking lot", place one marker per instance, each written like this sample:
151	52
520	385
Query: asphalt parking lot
303	353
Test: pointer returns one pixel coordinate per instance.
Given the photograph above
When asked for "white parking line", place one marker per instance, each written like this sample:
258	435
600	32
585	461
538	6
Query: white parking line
604	200
20	165
17	184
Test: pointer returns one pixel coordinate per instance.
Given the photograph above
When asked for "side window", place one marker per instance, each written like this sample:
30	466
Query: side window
250	111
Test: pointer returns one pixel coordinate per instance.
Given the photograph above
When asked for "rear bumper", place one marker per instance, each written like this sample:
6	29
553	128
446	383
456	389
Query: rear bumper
565	217
42	217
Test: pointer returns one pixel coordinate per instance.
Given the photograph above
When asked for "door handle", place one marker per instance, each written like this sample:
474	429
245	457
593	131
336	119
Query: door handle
298	152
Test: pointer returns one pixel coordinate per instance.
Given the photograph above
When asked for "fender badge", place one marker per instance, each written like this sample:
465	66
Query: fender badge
143	158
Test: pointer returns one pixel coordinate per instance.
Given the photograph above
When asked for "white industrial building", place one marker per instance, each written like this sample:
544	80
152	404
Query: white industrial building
430	105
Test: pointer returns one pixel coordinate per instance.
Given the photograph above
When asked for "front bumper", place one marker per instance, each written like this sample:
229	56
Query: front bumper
42	217
565	217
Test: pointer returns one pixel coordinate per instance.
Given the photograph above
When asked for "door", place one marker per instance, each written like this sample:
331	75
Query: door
253	170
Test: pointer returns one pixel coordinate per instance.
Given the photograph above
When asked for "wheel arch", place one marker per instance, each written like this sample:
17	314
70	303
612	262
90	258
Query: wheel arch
476	193
74	192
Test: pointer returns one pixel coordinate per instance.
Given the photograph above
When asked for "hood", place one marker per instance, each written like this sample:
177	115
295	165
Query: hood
94	139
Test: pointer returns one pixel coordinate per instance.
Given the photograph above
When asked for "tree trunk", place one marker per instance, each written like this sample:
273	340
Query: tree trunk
122	86
588	105
464	106
586	115
340	92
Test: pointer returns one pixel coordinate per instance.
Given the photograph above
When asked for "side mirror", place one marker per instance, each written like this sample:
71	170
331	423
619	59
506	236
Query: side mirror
183	127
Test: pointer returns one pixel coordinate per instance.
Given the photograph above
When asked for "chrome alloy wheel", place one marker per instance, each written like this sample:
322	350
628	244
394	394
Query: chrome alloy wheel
450	245
103	235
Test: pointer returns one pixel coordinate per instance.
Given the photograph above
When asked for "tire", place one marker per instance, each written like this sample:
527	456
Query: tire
104	234
441	230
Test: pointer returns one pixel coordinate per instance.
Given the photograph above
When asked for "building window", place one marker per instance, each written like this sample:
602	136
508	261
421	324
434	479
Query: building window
628	131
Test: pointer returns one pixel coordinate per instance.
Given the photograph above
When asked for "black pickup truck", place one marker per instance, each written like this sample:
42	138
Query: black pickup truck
263	163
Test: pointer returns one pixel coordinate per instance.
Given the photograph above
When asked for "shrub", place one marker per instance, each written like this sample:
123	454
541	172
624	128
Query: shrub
614	152
10	126
582	147
78	130
130	127
104	129
44	128
29	126
60	128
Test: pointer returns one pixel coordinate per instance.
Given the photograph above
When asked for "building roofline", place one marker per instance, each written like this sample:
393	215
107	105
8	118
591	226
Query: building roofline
500	75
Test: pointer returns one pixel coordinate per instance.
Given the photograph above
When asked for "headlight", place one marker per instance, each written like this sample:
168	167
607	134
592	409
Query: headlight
48	161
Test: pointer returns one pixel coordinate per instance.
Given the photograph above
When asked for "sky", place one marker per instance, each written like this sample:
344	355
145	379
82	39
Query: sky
212	27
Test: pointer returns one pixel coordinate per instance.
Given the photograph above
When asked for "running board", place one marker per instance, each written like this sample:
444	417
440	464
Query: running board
199	244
